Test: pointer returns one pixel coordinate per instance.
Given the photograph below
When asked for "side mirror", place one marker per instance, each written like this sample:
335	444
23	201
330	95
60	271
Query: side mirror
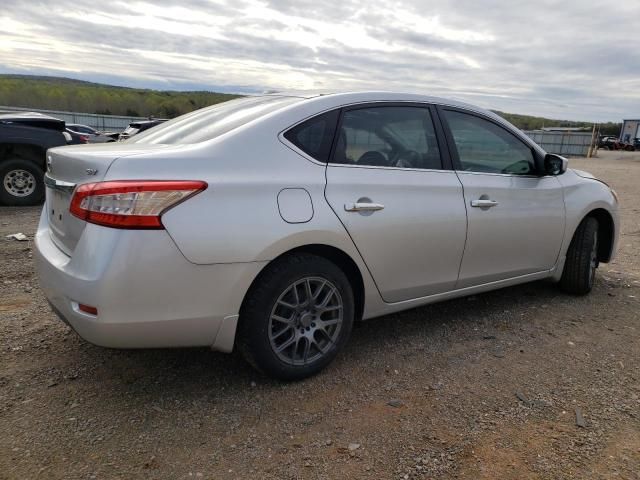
555	164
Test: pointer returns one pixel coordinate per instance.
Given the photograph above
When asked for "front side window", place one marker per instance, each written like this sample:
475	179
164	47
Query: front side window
485	147
401	137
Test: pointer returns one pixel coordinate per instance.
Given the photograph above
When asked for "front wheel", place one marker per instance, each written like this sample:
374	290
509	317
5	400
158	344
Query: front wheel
22	183
297	317
582	259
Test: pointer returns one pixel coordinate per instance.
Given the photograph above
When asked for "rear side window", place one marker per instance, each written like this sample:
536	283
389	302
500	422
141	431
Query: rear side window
315	135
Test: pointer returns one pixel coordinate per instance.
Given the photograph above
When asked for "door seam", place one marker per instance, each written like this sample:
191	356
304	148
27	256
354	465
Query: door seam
466	232
326	183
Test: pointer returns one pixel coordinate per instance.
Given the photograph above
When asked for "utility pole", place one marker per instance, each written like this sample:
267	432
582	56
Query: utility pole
592	144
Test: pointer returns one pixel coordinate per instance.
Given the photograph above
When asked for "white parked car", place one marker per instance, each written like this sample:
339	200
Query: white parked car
273	223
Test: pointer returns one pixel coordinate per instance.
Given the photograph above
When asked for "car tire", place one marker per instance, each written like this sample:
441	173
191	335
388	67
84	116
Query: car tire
582	259
297	317
22	183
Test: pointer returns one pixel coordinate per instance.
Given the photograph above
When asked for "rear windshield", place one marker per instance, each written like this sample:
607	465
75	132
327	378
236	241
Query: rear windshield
211	122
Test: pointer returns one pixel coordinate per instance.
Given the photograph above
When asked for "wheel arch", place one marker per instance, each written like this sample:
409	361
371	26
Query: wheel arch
606	233
335	255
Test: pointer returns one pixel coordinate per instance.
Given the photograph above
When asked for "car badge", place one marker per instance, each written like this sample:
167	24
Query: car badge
91	171
49	166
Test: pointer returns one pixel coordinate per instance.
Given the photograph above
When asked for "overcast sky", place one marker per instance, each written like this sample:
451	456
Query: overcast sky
575	59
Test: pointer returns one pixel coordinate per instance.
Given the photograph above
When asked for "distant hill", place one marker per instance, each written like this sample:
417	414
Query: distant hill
59	93
528	122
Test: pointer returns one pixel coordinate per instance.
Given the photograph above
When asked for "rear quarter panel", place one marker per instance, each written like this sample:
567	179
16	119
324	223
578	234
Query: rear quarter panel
237	219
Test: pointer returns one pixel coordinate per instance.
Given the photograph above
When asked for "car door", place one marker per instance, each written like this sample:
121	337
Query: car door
515	216
404	212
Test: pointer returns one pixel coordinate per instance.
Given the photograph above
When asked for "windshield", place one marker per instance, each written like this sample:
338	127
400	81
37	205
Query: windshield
211	122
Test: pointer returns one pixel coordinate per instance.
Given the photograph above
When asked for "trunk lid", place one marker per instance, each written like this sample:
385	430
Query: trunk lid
70	166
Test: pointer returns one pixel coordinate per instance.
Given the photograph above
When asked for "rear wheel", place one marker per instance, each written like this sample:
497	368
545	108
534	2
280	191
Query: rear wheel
582	259
297	317
22	183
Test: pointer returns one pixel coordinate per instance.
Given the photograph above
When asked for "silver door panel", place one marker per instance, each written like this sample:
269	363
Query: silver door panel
516	226
409	225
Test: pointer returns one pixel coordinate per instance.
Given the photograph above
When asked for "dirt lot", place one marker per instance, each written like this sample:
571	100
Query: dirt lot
482	387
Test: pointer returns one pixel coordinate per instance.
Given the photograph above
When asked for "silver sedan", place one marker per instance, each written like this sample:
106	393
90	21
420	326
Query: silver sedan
272	223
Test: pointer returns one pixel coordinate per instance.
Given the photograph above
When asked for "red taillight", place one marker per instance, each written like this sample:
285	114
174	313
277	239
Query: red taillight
133	204
83	138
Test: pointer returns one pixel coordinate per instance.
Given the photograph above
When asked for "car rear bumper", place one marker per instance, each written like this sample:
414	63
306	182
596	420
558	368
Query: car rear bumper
146	293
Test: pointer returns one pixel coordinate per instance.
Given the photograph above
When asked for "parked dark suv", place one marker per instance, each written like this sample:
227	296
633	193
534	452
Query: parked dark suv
24	140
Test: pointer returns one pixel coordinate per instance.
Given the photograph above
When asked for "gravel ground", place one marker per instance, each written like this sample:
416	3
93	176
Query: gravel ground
481	387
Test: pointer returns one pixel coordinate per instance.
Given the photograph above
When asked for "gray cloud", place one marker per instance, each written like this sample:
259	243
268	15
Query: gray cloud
563	59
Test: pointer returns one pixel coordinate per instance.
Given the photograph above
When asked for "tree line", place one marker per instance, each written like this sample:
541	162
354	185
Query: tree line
528	122
52	93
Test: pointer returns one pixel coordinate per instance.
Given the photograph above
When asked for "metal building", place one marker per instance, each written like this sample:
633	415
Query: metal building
630	130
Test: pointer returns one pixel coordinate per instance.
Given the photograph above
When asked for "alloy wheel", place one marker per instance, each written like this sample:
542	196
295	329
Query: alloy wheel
306	320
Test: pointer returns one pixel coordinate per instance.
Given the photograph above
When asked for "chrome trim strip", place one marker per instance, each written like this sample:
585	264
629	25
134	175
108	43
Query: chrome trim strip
60	185
375	167
469	172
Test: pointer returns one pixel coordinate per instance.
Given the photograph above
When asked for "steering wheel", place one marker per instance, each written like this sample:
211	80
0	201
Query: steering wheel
521	166
373	158
408	159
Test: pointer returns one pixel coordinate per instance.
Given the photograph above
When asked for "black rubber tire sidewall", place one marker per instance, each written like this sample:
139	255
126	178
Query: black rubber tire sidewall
34	198
253	339
577	267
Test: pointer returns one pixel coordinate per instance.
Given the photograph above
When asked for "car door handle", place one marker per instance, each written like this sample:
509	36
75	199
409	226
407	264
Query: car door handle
484	203
362	207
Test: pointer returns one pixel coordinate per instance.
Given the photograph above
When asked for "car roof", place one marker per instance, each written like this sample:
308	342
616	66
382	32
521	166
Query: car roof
325	101
337	99
376	95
